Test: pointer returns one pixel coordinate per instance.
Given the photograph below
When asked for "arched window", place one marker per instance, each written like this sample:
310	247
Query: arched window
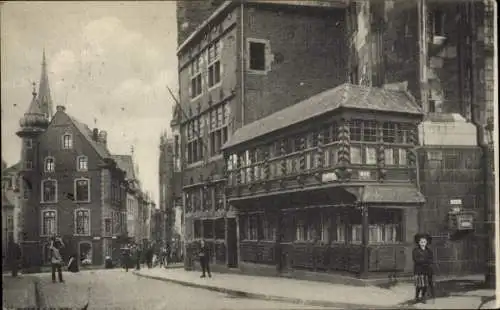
82	222
49	164
82	163
67	141
49	190
82	190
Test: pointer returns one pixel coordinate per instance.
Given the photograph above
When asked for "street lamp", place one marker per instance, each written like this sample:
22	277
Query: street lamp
489	205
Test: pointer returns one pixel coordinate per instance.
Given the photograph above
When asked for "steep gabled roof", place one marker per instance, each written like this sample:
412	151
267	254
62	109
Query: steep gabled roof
125	163
344	96
100	148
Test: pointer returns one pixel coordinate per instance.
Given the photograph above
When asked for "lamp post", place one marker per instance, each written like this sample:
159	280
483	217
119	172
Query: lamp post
489	203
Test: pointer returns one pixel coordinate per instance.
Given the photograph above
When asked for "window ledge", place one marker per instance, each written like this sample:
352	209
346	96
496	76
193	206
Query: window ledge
215	158
82	235
48	202
80	201
215	86
438	40
197	97
195	164
257	72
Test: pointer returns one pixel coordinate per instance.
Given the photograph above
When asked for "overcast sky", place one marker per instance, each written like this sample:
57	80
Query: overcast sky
109	64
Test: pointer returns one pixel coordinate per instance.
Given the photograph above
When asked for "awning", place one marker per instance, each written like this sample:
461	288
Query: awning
344	96
392	194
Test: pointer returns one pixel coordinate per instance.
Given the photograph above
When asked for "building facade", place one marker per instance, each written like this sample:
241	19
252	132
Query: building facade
70	185
168	195
11	209
250	60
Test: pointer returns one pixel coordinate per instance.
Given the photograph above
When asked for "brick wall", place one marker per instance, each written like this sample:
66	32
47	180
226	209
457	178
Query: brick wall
309	49
451	173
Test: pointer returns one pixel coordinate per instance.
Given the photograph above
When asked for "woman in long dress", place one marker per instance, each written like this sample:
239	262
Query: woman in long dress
422	259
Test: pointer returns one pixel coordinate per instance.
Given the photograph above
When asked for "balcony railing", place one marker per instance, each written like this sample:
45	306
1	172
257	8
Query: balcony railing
305	168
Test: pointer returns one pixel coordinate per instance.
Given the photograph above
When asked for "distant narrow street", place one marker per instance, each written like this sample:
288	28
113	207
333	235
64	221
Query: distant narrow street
116	289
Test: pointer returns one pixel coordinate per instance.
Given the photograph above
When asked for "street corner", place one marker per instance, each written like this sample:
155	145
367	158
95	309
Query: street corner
19	292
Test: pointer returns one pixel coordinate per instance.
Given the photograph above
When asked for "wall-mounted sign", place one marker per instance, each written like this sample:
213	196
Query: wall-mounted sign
465	222
456	202
114	237
364	175
97	238
329	177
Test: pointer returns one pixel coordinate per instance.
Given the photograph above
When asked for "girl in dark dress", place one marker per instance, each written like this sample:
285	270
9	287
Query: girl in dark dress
73	263
422	259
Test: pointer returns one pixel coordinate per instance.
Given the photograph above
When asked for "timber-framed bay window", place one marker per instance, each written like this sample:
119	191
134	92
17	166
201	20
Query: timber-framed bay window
319	147
194	144
218	127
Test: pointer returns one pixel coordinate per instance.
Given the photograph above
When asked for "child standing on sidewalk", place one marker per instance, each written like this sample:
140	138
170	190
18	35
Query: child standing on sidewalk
422	259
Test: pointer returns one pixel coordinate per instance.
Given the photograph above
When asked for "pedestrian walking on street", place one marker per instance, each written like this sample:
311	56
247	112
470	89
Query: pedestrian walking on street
138	257
13	256
149	257
204	256
422	260
56	259
126	257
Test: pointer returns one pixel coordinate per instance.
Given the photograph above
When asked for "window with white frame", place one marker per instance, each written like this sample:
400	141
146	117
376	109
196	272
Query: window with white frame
82	222
49	190
218	127
49	164
356	233
257	55
214	66
82	190
325	228
49	223
195	143
67	141
196	79
82	163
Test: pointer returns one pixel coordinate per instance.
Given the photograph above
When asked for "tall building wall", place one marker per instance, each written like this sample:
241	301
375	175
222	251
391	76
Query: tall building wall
190	14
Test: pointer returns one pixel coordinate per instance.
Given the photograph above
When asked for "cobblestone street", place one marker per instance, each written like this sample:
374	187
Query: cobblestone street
116	289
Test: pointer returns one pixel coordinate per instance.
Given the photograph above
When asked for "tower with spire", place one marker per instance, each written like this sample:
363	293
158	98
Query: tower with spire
44	98
33	123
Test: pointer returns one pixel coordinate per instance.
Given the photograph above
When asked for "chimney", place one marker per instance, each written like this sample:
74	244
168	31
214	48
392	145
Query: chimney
103	137
95	134
61	108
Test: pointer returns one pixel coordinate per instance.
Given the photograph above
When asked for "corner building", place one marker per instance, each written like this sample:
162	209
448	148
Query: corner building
70	186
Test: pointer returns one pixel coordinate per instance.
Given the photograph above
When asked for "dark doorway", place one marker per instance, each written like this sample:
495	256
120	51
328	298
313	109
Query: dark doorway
232	244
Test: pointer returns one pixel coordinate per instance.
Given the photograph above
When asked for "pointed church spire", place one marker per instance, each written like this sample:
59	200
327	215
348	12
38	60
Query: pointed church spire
44	98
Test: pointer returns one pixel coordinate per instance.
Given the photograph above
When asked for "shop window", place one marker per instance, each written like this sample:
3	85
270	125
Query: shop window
268	230
197	229
385	225
220	229
208	229
325	228
253	227
356	233
300	231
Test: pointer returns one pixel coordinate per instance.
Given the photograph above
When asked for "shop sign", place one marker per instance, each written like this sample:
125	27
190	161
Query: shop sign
329	177
96	238
456	202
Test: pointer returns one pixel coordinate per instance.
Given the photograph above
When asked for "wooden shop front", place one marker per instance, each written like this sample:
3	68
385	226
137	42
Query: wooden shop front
327	185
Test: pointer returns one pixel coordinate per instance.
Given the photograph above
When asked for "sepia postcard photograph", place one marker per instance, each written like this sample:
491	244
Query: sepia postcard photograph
211	154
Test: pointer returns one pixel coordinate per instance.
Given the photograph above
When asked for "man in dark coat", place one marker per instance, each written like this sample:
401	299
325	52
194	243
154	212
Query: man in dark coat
204	256
149	256
138	256
13	256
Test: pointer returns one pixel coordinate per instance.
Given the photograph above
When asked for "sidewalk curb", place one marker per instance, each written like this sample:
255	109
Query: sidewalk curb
243	294
38	293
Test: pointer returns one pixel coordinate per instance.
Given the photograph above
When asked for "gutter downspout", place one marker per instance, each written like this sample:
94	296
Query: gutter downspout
242	63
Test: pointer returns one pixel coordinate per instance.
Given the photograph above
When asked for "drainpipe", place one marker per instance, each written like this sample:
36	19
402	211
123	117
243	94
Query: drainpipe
489	276
242	63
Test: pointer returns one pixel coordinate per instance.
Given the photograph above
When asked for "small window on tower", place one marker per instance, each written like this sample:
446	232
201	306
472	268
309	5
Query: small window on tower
28	143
